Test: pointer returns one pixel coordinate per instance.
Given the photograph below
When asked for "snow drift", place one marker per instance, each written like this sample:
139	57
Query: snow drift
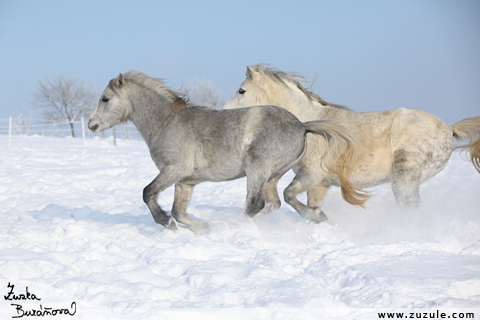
74	228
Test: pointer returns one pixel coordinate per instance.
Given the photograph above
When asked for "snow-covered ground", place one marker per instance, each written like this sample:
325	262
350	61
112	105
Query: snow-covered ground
74	228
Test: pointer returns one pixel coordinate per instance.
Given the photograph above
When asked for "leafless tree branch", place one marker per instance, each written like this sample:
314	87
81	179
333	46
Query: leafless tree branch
63	98
203	93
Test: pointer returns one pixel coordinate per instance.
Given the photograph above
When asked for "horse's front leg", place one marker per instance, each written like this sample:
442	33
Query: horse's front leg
183	194
167	177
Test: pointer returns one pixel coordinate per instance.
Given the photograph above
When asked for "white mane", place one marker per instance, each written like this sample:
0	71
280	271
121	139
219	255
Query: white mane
293	77
154	84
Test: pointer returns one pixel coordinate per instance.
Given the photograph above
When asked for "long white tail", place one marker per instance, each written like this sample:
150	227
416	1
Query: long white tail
469	129
333	134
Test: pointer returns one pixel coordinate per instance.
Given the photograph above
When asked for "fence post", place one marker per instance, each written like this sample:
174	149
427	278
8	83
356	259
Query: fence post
114	137
10	132
83	134
126	131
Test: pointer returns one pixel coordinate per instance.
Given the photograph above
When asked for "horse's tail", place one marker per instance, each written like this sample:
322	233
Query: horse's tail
469	129
333	134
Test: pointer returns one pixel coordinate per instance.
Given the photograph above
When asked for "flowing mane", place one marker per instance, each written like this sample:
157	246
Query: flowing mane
293	77
157	85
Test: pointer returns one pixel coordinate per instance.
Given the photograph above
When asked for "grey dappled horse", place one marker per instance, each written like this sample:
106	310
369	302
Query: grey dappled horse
193	144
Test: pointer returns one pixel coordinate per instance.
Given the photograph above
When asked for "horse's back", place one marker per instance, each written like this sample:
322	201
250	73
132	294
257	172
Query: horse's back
398	128
409	135
228	142
272	132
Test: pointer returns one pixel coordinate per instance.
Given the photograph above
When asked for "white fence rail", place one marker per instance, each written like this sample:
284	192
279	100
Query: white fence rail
21	126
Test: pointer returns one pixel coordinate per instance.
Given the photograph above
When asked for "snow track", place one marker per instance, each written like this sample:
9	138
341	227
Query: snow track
74	228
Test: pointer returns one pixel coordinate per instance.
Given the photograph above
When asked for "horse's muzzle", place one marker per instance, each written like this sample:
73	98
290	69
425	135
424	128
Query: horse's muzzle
93	128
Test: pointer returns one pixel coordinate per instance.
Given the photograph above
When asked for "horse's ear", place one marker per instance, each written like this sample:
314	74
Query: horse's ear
250	73
120	80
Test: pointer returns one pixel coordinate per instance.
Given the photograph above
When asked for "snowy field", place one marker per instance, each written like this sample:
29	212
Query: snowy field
75	231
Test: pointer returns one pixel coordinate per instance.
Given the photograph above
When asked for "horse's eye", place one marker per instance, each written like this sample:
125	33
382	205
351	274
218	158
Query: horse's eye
105	99
241	91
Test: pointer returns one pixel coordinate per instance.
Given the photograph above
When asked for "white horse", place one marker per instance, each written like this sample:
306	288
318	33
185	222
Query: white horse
404	147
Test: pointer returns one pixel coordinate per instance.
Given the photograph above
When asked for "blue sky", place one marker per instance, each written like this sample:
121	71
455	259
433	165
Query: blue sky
368	55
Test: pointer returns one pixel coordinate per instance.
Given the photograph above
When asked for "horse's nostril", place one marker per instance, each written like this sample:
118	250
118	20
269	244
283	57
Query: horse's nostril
93	128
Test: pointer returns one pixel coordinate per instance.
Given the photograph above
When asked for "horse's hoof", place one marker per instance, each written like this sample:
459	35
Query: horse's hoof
315	214
200	228
172	224
322	216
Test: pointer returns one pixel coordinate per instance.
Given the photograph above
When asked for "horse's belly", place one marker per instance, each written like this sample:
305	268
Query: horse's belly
215	175
362	178
216	170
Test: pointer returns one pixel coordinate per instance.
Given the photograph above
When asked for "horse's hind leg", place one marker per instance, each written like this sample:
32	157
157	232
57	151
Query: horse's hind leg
262	194
268	194
272	201
302	182
256	195
316	195
183	194
406	179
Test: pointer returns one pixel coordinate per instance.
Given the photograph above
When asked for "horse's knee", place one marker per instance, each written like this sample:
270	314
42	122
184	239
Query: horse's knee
290	193
148	193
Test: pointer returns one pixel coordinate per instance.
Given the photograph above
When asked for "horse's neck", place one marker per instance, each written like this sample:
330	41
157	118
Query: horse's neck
151	112
307	110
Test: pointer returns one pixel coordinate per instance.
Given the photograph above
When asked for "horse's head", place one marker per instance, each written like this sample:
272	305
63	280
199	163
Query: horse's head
269	86
252	92
113	107
263	86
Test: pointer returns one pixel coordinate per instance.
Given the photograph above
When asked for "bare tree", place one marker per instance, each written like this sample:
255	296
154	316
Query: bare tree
64	99
204	93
